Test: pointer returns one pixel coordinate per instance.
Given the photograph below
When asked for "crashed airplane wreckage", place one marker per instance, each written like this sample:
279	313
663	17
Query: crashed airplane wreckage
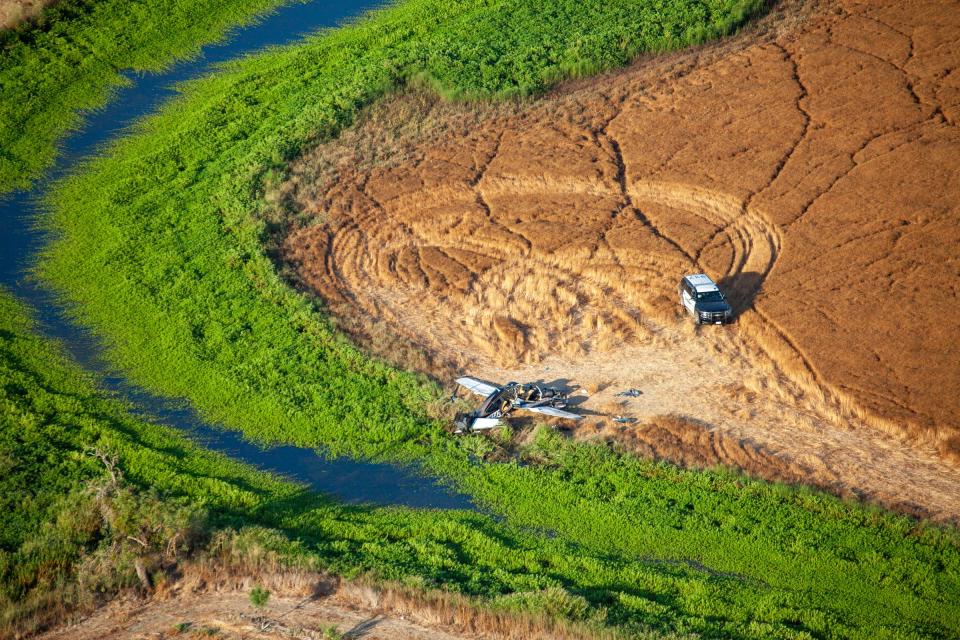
500	401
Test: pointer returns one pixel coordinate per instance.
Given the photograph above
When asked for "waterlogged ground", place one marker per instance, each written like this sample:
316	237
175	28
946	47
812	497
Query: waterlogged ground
349	480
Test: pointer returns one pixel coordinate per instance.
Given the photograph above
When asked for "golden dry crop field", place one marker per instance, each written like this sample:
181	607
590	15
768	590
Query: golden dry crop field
809	164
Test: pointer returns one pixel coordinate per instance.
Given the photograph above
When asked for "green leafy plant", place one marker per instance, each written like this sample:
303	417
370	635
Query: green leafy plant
332	632
259	596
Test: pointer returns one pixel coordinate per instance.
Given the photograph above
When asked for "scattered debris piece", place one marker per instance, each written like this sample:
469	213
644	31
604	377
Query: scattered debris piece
624	420
500	401
629	393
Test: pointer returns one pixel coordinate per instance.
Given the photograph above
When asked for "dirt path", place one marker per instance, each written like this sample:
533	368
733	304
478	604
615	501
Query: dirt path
230	616
211	601
292	611
811	165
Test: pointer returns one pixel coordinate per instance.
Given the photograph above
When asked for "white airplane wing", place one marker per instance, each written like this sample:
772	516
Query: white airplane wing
475	386
553	411
482	424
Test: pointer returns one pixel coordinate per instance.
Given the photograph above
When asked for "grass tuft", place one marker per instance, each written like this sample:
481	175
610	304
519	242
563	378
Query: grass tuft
259	596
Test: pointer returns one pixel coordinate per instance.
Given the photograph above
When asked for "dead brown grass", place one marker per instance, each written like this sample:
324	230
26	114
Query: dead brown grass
693	444
13	12
410	612
544	239
457	612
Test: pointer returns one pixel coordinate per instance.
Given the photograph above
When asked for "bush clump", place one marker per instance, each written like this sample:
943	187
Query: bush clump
259	596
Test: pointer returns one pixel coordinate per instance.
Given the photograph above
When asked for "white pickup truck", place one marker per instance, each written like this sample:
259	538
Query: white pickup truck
702	299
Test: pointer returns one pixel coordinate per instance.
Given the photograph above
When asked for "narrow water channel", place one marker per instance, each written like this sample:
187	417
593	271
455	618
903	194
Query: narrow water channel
347	480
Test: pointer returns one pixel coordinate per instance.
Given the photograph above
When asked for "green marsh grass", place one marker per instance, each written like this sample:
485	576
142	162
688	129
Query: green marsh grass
72	57
160	250
57	549
606	513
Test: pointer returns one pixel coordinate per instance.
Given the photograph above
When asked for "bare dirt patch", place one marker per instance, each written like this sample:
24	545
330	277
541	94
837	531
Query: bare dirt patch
230	616
811	165
13	12
301	605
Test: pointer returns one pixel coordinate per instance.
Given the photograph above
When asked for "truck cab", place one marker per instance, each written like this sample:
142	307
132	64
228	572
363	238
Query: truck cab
702	299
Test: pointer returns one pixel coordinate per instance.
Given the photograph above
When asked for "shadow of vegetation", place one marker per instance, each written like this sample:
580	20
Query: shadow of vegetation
361	629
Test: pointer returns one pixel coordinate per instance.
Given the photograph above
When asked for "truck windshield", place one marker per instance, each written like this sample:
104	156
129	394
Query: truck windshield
709	296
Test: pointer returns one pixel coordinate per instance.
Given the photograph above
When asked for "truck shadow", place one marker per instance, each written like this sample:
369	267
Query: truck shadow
741	289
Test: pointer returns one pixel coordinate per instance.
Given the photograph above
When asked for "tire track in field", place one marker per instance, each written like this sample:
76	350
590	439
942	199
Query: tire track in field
547	244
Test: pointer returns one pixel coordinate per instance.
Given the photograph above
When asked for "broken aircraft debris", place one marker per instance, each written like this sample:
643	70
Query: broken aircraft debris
500	401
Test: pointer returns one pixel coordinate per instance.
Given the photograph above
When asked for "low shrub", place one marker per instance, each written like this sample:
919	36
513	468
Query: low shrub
259	596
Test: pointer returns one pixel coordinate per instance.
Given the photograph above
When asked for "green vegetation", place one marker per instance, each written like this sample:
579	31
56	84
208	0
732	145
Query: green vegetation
73	57
95	500
840	569
160	250
71	511
79	521
332	633
259	596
